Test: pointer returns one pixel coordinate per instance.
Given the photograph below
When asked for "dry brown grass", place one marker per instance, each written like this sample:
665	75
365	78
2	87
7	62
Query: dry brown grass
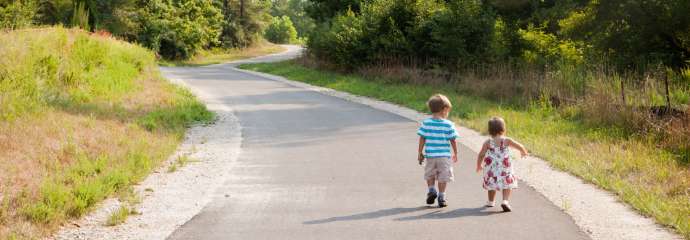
35	148
104	129
215	56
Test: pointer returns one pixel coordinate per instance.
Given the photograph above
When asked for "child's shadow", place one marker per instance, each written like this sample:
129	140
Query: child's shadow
438	214
457	213
368	215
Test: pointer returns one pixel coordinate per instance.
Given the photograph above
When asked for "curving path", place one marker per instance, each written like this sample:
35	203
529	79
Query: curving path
314	166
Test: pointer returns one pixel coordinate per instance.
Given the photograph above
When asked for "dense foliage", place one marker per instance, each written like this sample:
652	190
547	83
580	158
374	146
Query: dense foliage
296	11
176	29
630	34
281	31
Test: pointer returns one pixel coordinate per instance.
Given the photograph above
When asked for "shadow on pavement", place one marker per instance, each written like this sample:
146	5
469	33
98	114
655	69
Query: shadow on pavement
460	212
438	214
369	215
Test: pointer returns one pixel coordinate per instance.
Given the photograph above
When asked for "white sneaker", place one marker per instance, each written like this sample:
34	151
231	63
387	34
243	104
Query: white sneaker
490	204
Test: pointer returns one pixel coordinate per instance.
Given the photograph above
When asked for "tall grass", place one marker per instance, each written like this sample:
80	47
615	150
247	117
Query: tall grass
652	179
653	105
82	117
220	55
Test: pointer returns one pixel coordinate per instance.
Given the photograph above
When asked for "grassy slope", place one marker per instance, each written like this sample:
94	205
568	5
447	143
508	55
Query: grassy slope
649	179
82	117
215	56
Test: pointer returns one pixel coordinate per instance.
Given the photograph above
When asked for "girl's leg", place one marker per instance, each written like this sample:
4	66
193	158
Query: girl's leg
492	195
506	194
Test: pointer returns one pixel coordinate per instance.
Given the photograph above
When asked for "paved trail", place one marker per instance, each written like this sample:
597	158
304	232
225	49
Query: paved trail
318	167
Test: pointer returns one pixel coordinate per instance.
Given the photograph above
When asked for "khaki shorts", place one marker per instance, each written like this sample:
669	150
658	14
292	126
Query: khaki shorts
440	169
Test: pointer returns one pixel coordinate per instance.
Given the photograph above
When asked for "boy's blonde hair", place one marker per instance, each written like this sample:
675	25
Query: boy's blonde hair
438	102
497	126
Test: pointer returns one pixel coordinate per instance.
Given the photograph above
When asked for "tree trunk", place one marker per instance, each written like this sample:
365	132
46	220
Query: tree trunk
241	9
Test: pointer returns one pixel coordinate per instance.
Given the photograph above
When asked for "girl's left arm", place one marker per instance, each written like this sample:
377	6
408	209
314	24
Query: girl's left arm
518	146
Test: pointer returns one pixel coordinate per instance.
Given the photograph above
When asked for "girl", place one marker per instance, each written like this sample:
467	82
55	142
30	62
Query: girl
495	161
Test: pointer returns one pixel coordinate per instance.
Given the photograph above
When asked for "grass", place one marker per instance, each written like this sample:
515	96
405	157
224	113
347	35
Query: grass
651	180
216	56
118	216
82	118
179	162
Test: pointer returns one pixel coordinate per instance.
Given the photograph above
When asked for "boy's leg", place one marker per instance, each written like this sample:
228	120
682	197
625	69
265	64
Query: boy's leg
445	172
431	183
442	187
431	195
430	176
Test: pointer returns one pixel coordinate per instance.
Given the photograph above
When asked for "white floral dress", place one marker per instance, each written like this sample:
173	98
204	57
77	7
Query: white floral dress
498	167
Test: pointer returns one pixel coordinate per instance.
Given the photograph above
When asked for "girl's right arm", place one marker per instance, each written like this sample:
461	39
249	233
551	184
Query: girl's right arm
481	154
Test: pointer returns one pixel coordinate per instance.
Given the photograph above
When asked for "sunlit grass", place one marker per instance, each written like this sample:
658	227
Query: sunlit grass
650	179
82	118
219	55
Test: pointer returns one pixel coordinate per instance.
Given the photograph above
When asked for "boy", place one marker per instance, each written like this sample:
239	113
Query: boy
436	138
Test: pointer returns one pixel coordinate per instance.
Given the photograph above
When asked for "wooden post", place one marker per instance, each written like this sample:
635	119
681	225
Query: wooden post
668	95
623	90
241	10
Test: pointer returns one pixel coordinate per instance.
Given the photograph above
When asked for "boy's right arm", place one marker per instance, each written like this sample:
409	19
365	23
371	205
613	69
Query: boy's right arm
420	152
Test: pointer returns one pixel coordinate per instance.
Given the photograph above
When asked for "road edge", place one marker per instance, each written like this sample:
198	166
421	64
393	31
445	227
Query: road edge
170	199
595	211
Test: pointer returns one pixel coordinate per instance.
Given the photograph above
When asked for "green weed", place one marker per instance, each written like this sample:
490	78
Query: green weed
119	216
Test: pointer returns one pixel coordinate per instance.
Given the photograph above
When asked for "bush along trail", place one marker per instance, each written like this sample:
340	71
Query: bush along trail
82	117
652	180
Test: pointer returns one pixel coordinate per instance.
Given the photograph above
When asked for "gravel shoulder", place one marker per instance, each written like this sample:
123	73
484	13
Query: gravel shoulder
169	199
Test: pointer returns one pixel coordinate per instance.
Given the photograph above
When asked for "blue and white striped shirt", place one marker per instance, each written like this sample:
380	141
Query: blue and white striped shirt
438	133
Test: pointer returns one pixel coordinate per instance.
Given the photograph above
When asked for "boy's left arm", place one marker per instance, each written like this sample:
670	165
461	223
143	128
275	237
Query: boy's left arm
454	145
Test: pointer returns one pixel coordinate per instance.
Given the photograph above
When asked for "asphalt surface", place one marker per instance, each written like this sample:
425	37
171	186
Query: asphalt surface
318	167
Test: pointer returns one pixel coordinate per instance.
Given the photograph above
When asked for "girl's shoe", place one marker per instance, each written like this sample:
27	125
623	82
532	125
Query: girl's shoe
490	204
506	207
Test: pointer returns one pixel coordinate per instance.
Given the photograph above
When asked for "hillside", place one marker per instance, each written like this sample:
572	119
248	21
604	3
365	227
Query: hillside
82	117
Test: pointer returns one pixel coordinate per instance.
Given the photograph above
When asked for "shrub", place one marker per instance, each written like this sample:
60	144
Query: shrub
178	29
281	31
17	14
456	32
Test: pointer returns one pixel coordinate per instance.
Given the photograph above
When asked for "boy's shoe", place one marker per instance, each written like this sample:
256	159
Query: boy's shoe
490	204
506	207
431	197
442	202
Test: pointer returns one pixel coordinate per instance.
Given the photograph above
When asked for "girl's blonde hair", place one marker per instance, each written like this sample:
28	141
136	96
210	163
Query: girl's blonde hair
497	126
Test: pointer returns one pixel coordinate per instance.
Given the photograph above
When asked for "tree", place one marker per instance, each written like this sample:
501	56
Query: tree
635	32
244	21
296	11
281	31
17	14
